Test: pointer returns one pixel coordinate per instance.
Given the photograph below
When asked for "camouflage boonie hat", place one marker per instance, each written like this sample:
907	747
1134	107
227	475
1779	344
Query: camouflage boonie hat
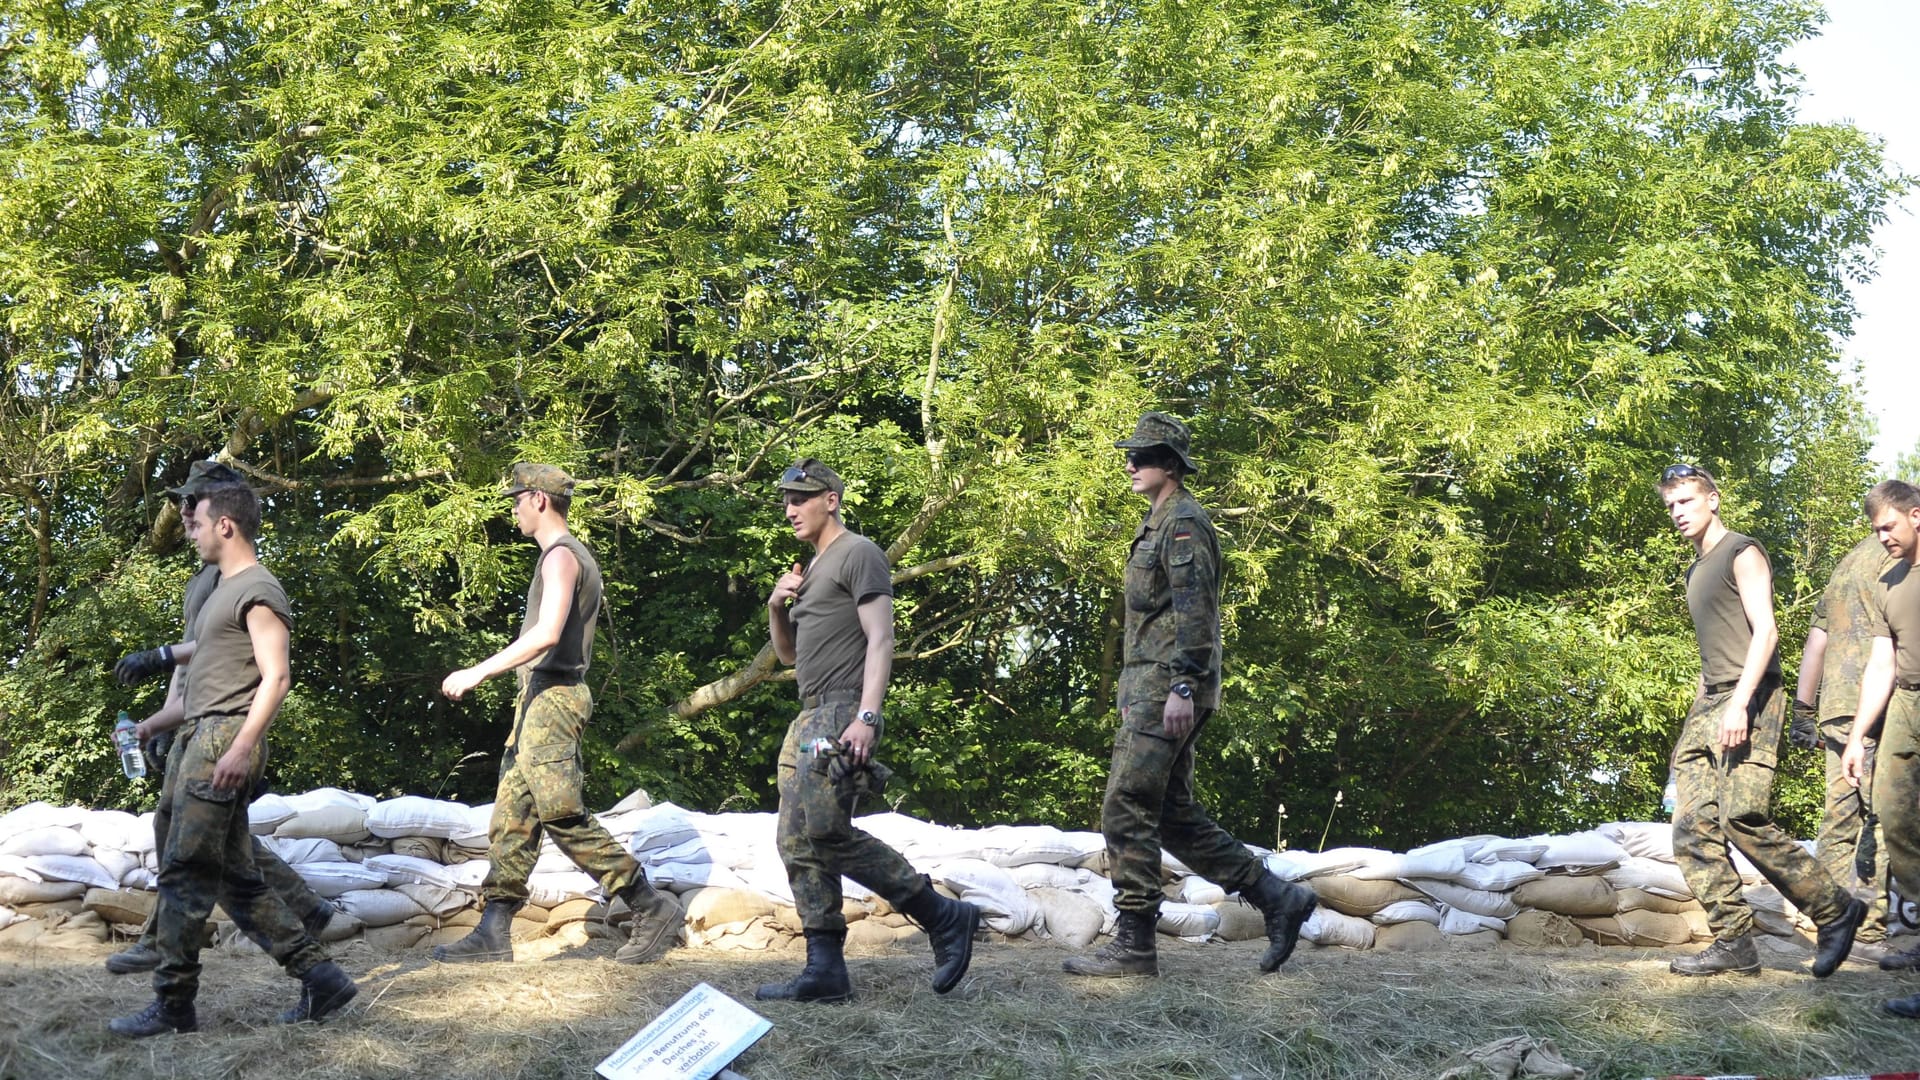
809	475
546	479
204	474
1159	429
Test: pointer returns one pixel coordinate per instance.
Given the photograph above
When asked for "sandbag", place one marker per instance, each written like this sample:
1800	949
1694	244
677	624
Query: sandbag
1579	853
1187	920
1407	911
1641	900
1352	896
16	891
1455	923
431	848
82	868
16	866
1498	905
1498	876
414	815
866	934
1500	849
120	905
341	824
1649	875
1327	926
331	879
118	864
1543	929
581	909
1003	904
294	850
436	900
378	907
1017	845
548	890
46	840
401	869
707	907
1484	939
1642	839
267	813
1300	865
38	815
1584	896
1068	917
659	827
1697	923
1435	861
1195	889
754	935
1240	921
394	937
1409	937
341	927
117	830
1049	876
1654	930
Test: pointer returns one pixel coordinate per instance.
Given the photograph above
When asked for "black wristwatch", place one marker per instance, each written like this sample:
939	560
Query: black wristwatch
1181	689
869	718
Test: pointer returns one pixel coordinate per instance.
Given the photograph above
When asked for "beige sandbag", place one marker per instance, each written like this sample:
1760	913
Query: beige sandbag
1479	940
579	909
1543	929
51	908
531	913
1240	921
713	906
787	918
120	905
1602	930
1413	936
1069	918
1585	895
867	934
341	927
1654	929
1642	900
1769	921
909	937
528	929
1350	895
891	918
17	892
853	910
446	935
753	935
431	848
393	938
878	907
1697	922
23	933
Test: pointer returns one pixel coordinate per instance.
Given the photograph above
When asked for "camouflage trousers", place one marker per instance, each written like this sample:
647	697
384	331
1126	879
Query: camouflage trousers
540	794
1724	798
281	878
817	838
1150	804
208	859
1844	815
1896	791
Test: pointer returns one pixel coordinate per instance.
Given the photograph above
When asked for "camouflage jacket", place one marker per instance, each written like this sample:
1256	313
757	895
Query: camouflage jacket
1173	606
1843	611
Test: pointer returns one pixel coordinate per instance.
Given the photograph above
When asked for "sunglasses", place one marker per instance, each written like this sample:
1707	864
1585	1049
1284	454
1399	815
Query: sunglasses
1680	472
794	474
1149	458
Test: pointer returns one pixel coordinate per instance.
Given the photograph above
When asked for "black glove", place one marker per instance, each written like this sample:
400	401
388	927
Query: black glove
143	665
1805	731
1867	853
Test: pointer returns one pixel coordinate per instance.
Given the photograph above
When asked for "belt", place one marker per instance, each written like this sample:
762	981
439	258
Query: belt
830	697
1769	679
1907	684
553	678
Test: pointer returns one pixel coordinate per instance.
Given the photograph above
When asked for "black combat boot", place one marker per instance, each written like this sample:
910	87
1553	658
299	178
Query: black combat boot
323	990
657	919
1131	952
824	979
1835	939
491	940
950	926
1905	960
1286	907
138	956
1736	955
158	1018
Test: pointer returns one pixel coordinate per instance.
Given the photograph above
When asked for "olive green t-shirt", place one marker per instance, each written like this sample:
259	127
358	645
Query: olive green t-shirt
1896	614
1719	621
571	654
224	675
199	587
830	648
1845	612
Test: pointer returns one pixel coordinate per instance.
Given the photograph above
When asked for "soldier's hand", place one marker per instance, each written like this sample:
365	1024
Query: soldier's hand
787	588
1733	726
857	741
231	772
456	685
140	666
1177	718
1853	762
1805	731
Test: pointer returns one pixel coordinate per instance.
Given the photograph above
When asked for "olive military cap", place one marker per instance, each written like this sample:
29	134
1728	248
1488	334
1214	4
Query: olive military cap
204	474
809	475
546	479
1159	429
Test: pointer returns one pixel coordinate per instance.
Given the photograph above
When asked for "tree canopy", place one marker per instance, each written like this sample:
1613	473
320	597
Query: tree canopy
1440	285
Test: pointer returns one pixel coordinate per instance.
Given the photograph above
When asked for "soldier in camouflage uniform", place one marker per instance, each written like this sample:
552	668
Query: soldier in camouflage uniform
540	775
833	621
156	734
234	689
1730	744
1830	669
1169	688
1892	683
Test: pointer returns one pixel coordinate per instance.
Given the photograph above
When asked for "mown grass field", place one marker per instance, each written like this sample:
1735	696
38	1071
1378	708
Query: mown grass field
1330	1013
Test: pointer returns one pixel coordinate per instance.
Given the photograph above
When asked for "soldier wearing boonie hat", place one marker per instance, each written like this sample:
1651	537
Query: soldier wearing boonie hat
1169	688
540	777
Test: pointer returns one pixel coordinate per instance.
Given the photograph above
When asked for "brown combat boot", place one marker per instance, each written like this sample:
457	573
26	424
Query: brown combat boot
1131	952
657	919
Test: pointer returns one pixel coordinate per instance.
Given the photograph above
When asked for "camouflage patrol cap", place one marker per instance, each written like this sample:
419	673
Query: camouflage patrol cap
809	475
204	474
1159	429
546	479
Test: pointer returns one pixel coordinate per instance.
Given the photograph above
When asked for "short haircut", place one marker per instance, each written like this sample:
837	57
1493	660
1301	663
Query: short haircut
1896	494
559	503
1692	474
235	502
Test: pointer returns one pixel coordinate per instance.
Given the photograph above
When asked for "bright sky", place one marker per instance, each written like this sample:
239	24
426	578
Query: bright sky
1861	69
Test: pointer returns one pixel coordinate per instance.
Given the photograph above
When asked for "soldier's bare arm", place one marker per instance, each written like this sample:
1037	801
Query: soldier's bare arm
270	653
1876	686
559	570
876	621
1754	578
779	623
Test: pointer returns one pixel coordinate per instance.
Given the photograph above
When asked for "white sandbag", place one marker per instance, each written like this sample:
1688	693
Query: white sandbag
118	830
34	816
1642	839
45	840
1580	853
686	851
436	900
1300	865
1187	920
1501	849
81	868
637	799
378	907
342	824
1440	862
404	869
660	827
16	866
415	815
15	891
1068	917
469	874
116	863
549	890
1749	873
476	838
679	877
310	849
333	879
1329	927
267	813
1500	875
1003	904
1195	889
1017	845
1455	922
8	917
1048	876
1650	875
1407	911
140	877
921	842
1497	905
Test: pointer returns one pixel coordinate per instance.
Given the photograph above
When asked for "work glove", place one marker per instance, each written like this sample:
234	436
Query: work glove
1805	731
143	665
1867	852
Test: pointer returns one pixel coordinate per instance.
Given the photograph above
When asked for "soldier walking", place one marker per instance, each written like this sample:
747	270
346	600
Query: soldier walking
833	621
540	776
1730	744
1169	689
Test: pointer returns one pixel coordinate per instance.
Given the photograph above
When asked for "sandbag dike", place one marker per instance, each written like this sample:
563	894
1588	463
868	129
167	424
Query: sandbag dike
405	873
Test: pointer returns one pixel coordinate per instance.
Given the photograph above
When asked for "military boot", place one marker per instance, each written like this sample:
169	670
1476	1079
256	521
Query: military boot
1286	907
657	919
950	926
157	1018
323	990
1131	952
824	979
138	956
1736	955
1835	939
1896	960
491	940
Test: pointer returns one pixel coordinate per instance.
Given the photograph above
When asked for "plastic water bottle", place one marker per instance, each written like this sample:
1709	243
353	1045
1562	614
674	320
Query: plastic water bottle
1670	798
132	761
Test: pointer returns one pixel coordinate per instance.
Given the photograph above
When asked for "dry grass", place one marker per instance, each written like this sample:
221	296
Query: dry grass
1331	1013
